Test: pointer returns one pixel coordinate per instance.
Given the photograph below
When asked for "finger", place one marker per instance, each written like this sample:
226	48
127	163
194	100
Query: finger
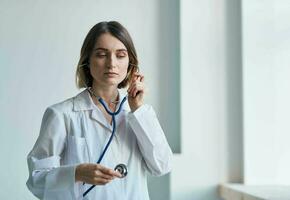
96	180
138	78
138	89
133	85
138	92
115	173
142	79
129	93
110	172
137	75
102	169
100	181
132	91
99	167
129	89
135	91
100	174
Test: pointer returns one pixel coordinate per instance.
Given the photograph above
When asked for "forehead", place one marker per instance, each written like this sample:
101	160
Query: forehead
107	41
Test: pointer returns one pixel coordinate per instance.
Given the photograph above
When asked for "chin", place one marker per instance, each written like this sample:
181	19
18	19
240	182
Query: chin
113	83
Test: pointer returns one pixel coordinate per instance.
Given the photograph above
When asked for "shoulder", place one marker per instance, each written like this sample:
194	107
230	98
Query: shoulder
63	106
66	106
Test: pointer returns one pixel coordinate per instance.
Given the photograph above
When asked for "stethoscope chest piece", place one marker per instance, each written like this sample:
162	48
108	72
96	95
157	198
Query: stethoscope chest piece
122	169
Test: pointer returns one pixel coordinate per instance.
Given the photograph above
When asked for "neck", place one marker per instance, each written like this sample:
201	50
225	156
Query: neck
108	94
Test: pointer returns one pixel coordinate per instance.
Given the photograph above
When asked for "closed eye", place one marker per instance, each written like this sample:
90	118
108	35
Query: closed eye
121	56
101	55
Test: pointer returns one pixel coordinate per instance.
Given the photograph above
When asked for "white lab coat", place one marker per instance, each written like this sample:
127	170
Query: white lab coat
76	131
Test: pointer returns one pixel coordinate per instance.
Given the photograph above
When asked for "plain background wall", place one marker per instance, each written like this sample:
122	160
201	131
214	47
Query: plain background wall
266	69
39	49
211	93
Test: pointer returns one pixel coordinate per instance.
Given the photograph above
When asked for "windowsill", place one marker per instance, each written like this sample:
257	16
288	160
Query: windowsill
254	192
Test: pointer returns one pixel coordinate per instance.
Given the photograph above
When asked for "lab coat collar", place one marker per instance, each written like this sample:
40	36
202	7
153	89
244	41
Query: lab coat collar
83	101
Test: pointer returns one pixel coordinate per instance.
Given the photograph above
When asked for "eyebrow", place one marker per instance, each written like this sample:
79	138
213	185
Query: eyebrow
104	49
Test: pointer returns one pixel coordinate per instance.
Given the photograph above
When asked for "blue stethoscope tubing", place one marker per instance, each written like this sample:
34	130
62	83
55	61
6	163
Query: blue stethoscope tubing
113	114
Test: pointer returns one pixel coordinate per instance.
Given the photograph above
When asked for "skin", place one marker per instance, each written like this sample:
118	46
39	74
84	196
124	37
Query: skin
109	62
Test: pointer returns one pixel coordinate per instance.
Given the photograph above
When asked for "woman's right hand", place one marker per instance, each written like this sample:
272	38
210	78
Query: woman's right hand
95	174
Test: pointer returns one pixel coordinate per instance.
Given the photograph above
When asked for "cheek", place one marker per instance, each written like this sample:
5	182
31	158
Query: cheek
94	71
96	67
98	64
123	68
123	71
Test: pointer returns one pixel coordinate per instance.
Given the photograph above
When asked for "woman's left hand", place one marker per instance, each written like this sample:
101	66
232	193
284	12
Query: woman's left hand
136	91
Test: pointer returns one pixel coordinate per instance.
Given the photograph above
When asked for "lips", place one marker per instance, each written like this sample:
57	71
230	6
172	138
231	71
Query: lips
111	73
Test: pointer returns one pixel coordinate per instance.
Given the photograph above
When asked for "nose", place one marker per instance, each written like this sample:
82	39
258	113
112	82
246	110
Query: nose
111	61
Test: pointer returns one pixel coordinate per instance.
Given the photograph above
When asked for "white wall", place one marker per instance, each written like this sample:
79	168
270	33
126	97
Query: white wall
211	119
266	50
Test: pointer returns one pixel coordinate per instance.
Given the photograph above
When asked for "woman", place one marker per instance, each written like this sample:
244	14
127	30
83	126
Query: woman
67	157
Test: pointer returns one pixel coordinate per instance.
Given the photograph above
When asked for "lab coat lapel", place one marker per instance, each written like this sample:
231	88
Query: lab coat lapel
120	118
83	101
100	118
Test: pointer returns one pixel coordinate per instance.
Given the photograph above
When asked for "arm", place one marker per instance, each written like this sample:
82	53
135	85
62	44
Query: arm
144	123
47	178
151	140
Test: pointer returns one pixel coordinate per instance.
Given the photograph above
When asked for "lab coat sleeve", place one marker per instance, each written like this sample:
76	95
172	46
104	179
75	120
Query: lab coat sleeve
151	140
47	178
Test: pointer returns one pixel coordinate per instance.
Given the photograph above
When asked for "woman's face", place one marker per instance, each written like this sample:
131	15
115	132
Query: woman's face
109	61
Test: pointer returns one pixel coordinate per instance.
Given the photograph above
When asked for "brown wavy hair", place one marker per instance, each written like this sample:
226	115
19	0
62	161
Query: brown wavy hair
83	75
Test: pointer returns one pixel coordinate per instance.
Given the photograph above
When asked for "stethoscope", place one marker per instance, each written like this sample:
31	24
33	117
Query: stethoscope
121	168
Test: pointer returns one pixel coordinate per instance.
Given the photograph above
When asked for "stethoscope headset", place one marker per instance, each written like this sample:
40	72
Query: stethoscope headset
121	168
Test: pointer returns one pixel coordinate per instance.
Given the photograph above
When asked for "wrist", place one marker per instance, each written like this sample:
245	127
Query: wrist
77	174
134	108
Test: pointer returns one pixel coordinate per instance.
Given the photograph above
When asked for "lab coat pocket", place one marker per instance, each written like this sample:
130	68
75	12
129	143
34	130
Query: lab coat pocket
77	150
